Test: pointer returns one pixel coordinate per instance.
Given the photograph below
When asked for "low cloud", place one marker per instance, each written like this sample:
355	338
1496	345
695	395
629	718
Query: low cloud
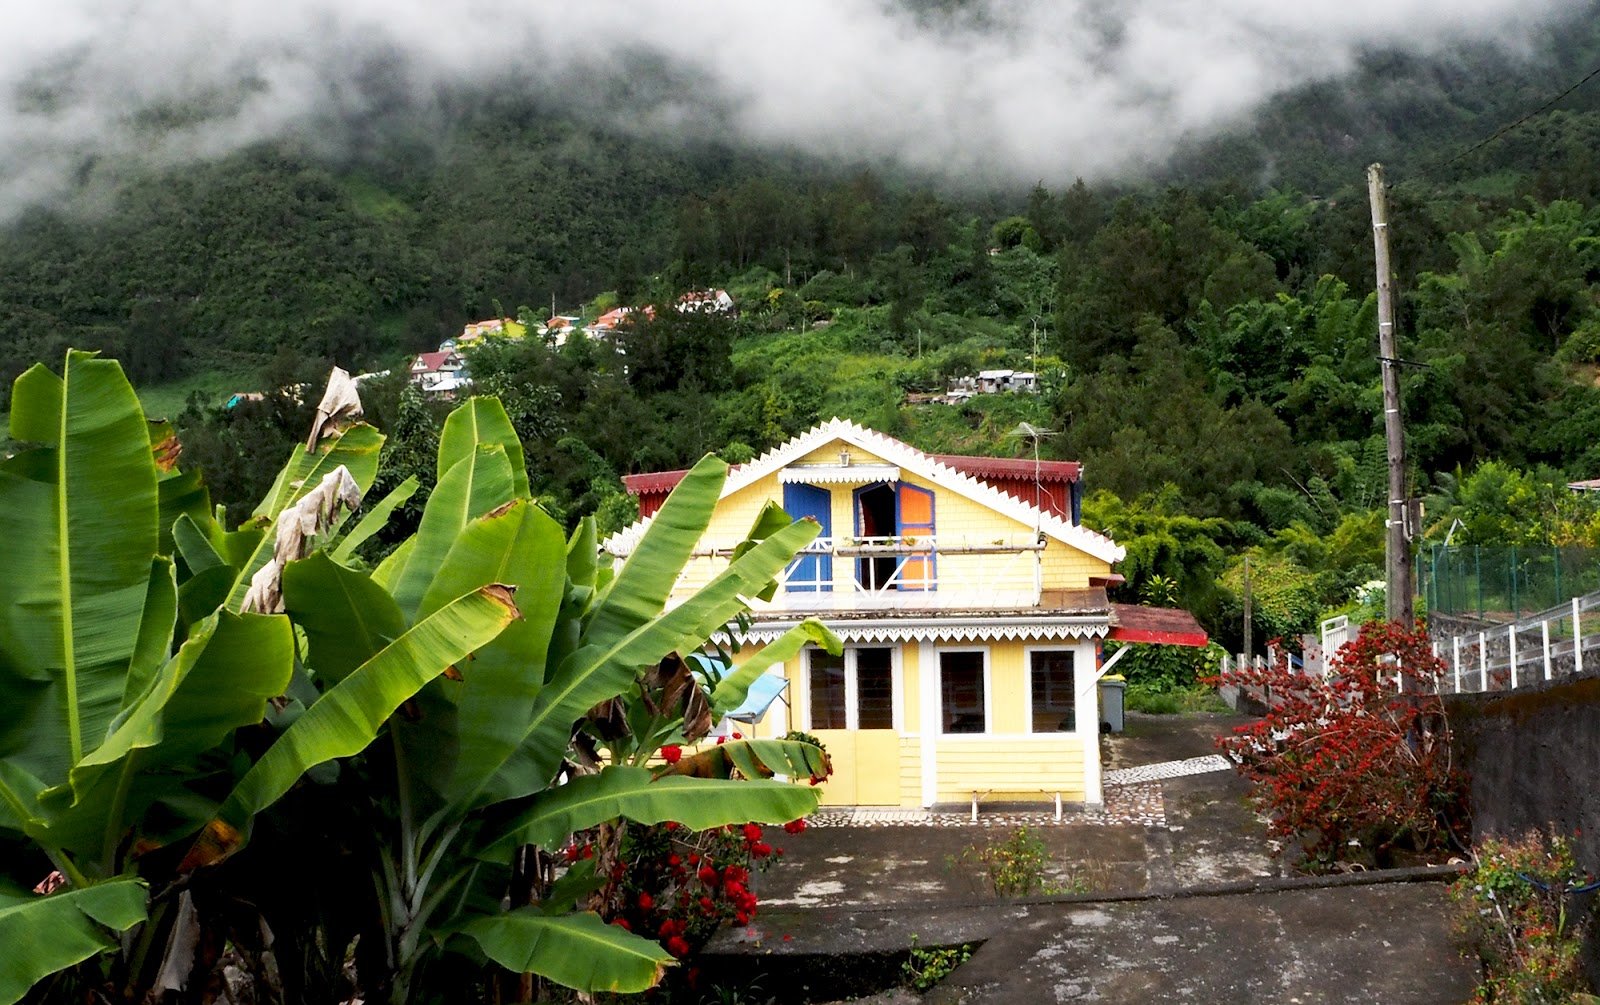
988	90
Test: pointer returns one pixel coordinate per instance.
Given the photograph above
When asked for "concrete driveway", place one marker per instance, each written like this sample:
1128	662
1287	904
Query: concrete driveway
1176	897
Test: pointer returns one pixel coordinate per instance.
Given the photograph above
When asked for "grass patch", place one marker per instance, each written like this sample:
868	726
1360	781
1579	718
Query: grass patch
1140	698
166	400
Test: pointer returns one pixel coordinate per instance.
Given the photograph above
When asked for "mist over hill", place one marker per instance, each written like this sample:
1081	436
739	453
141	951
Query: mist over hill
982	94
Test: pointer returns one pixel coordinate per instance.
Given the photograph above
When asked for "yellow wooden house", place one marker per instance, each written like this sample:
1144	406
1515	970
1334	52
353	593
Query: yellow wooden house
971	602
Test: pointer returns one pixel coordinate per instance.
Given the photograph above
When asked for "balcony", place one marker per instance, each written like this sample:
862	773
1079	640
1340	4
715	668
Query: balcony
911	573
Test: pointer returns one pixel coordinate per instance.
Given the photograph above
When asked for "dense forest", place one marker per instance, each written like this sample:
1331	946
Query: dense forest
1205	334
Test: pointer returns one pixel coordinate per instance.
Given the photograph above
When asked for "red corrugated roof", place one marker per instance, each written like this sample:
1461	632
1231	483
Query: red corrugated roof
434	360
1011	467
1166	625
653	481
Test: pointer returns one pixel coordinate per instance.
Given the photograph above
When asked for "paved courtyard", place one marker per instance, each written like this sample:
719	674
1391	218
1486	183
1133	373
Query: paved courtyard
1176	822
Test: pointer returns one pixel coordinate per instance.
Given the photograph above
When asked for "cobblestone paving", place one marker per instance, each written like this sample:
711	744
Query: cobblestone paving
1125	803
1167	769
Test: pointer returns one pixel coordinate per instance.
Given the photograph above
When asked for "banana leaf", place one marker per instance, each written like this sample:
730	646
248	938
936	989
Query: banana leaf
592	675
480	483
481	422
730	692
641	796
220	680
375	519
523	546
347	617
45	935
346	719
79	522
574	950
357	449
645	581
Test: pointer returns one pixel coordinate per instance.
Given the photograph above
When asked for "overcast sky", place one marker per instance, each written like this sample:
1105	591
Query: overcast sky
1013	90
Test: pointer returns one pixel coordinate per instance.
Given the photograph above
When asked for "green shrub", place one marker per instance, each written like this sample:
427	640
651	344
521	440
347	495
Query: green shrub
927	967
1514	912
1015	866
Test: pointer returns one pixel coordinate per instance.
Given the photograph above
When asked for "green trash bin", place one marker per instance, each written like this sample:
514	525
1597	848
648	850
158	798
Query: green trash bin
1112	687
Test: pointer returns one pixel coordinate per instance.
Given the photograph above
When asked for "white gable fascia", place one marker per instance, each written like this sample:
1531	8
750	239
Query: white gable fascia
943	630
910	459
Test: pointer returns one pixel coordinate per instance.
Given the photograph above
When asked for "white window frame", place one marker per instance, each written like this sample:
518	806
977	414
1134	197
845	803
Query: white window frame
988	691
852	692
1076	651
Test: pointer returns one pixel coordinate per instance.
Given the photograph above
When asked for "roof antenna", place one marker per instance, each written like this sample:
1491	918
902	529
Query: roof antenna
1029	431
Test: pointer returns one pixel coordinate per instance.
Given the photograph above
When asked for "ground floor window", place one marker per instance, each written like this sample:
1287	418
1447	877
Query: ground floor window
1050	688
963	704
852	691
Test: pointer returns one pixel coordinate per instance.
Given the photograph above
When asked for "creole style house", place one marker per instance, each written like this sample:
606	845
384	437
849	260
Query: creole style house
971	602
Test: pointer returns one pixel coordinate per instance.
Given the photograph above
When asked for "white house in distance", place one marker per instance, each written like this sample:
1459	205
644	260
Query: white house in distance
442	372
706	302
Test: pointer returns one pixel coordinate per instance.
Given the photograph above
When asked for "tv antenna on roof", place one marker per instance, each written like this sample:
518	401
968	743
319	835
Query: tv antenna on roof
1029	431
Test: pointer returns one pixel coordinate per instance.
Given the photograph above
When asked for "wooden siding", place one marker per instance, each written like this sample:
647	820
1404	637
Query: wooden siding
1000	768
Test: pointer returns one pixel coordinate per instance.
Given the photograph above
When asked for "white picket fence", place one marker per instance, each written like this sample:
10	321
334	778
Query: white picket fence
1554	643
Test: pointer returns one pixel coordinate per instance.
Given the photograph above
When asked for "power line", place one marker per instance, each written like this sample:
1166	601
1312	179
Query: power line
1508	128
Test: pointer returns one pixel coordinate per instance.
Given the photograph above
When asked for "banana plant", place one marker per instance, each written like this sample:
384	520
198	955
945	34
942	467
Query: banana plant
471	767
120	716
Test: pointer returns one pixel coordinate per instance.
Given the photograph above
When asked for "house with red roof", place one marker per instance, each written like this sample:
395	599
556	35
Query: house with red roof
442	372
972	604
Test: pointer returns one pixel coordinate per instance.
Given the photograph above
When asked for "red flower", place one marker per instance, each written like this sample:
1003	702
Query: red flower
752	832
707	875
646	902
671	753
673	859
721	740
672	825
677	947
761	849
788	938
795	826
622	923
738	735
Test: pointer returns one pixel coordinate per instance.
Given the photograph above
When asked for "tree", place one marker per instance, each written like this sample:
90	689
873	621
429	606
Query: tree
1351	764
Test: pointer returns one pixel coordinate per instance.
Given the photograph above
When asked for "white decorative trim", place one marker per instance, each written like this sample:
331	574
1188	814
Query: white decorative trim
928	704
917	630
838	474
911	459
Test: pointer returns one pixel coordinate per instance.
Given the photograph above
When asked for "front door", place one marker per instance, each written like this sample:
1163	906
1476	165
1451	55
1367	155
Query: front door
851	709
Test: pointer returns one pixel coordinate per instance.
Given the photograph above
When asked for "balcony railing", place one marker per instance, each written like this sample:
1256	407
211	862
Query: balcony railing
920	572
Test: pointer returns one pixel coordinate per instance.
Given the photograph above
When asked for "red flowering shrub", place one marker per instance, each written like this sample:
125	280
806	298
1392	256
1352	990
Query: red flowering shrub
678	886
1346	760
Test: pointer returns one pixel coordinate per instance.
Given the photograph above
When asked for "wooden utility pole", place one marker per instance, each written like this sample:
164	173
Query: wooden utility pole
1249	617
1397	543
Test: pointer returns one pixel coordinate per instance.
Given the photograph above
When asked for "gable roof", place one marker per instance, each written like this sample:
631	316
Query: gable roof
908	458
432	361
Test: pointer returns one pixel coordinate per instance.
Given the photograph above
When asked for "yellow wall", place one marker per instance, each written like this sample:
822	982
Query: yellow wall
1007	765
1016	769
957	519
